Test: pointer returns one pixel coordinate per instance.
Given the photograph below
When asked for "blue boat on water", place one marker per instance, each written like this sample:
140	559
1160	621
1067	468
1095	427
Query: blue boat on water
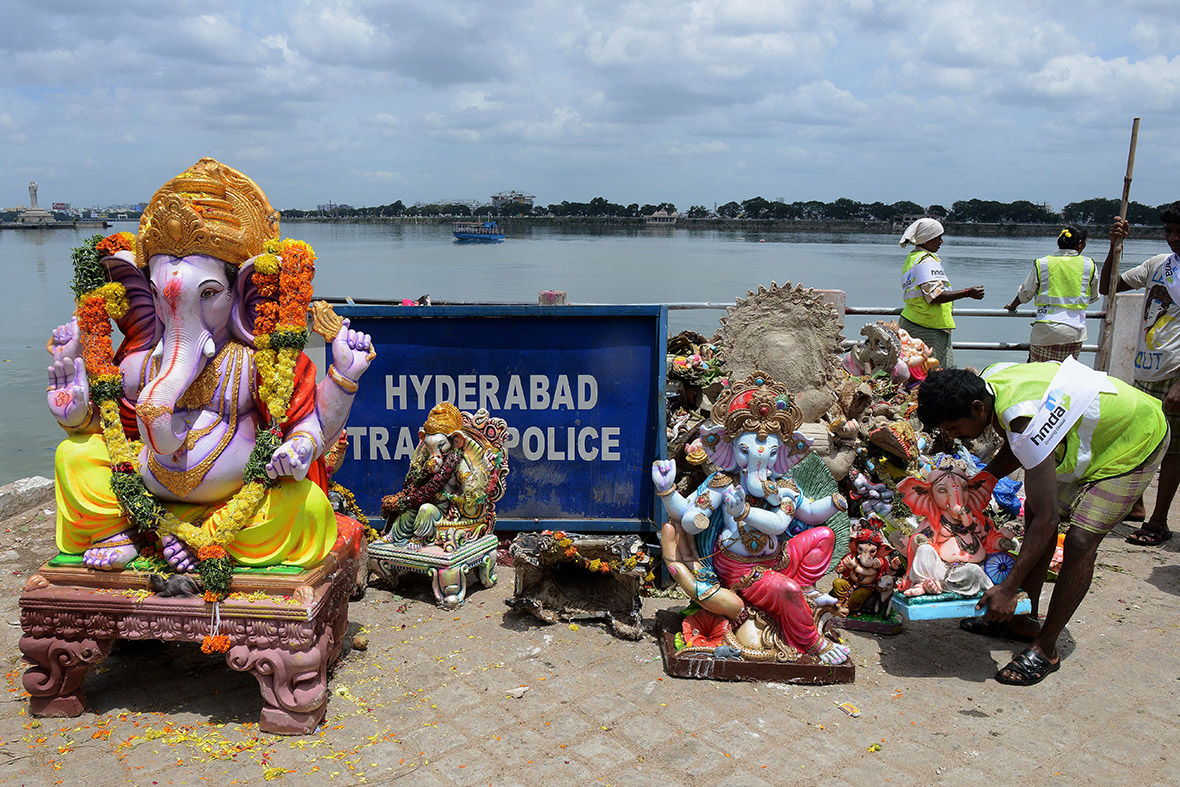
478	232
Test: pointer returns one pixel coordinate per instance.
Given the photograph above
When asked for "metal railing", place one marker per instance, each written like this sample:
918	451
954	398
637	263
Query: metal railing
849	311
1010	346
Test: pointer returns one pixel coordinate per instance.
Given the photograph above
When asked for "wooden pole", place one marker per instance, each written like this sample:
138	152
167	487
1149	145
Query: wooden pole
1116	255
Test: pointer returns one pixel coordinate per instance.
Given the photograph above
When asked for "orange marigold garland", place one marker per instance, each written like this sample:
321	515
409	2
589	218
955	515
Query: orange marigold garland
120	241
98	300
565	545
215	643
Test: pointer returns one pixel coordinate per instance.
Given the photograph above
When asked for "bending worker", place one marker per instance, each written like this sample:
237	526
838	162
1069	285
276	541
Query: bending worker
1089	445
1061	286
924	286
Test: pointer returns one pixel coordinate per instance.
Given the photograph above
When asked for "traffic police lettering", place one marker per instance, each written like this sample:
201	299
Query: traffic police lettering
487	391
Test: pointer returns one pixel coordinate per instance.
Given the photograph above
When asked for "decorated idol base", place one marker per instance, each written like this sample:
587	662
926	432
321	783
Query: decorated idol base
708	666
447	570
284	625
946	605
888	624
575	576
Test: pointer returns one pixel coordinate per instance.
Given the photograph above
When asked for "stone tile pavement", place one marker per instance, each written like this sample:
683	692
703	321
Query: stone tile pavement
427	703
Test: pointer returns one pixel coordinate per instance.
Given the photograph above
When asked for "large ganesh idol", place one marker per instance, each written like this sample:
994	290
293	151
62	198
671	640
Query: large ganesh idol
205	428
749	546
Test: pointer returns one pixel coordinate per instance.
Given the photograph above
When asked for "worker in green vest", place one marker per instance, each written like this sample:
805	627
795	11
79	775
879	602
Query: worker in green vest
1157	359
1089	445
1061	286
926	290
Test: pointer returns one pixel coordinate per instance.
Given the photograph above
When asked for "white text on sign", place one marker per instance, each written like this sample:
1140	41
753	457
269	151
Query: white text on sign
552	443
483	392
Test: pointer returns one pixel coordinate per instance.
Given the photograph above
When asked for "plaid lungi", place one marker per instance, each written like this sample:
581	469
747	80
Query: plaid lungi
1098	506
1037	353
1159	389
938	340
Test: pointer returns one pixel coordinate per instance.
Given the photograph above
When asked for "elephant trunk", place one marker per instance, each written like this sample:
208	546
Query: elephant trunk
754	481
182	359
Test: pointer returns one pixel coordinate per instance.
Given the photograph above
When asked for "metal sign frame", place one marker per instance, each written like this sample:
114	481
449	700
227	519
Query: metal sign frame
647	510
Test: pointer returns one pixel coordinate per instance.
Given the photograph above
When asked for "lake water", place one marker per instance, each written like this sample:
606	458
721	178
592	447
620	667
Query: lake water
617	266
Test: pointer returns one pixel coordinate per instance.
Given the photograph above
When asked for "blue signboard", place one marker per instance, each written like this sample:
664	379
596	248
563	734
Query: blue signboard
581	388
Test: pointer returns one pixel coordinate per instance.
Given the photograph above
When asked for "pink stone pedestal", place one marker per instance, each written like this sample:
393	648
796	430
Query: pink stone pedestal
288	638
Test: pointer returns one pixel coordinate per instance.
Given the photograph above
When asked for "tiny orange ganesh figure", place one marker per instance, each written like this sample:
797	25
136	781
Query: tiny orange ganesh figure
866	573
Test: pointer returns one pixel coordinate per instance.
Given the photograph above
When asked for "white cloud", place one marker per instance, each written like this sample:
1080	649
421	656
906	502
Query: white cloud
1152	83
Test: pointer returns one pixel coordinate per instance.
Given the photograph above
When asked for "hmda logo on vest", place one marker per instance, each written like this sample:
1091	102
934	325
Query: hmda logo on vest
1057	407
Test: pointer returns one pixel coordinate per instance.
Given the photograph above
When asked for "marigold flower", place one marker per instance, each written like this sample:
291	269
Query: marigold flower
218	643
267	284
120	241
267	264
212	552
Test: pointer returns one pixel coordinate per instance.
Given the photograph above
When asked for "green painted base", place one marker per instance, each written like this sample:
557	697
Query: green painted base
157	565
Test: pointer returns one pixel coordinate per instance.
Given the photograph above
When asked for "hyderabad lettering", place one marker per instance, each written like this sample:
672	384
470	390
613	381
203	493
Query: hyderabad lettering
482	391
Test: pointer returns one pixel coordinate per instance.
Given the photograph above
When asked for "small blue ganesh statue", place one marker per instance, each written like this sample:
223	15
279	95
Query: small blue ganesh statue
749	546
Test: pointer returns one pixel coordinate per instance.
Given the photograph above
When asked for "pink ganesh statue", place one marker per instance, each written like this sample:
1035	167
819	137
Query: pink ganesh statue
956	548
730	546
206	427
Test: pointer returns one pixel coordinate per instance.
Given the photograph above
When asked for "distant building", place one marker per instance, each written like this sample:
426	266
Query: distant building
903	221
512	198
661	218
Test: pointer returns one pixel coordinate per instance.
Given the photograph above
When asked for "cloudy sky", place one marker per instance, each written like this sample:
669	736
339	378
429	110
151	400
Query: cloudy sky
365	102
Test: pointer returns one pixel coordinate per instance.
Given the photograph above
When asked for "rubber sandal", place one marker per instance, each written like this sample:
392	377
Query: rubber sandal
1030	668
1146	537
990	628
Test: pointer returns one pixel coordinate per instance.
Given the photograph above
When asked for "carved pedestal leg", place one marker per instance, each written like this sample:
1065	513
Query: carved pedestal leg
361	583
57	666
388	571
294	684
487	570
450	585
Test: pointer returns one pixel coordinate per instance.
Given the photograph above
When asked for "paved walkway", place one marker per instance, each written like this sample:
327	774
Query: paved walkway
428	702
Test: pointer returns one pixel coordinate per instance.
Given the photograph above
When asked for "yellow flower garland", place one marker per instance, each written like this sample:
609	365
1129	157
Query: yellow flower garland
115	295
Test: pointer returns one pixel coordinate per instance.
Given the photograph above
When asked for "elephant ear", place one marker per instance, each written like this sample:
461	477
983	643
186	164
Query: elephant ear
977	493
246	300
916	494
141	327
719	449
791	453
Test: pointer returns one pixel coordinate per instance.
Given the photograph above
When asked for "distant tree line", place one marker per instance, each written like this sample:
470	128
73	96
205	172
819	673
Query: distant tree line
1091	211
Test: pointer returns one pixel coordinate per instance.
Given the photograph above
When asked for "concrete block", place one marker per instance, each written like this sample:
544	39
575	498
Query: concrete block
24	494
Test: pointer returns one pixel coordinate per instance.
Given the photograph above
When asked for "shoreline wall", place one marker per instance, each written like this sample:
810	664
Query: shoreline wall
1098	233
